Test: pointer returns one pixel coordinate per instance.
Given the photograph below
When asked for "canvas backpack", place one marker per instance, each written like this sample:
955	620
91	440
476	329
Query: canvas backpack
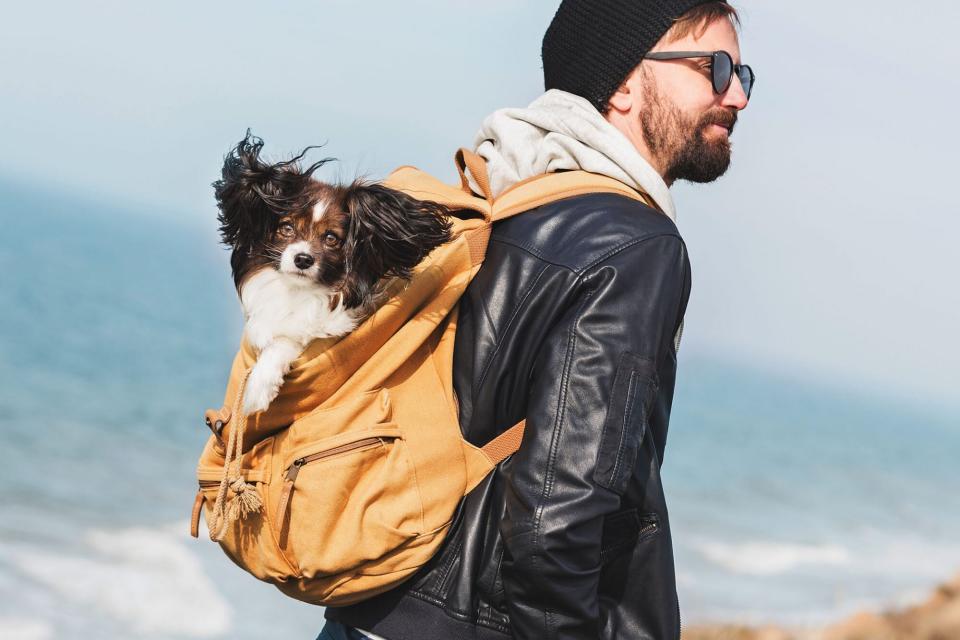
348	482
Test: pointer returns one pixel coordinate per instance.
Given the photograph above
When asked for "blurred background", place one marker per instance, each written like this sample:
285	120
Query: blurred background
813	466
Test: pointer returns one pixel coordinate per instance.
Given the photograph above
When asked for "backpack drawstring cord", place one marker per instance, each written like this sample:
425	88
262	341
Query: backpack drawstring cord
245	500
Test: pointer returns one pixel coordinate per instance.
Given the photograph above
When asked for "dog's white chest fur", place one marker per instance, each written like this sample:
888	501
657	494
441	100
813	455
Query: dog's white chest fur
284	314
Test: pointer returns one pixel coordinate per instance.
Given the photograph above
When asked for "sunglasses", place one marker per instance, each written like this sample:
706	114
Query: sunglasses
721	68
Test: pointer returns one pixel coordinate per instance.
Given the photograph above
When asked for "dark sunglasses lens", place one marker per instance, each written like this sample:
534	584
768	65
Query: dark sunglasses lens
722	71
746	79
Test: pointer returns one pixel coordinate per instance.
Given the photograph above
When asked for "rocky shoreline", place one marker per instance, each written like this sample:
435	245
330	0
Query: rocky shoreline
936	619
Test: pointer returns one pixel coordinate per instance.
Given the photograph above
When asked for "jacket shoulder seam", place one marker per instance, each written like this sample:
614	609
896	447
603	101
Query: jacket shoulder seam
630	243
532	251
583	269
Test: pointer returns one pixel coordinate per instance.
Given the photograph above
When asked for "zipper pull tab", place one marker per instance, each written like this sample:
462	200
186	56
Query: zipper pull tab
294	469
195	516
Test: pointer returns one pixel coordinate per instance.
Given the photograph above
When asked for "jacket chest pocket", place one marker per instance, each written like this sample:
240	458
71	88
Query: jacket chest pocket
634	388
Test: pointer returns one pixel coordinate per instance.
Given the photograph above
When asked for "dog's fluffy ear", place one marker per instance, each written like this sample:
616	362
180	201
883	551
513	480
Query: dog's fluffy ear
245	218
389	234
252	194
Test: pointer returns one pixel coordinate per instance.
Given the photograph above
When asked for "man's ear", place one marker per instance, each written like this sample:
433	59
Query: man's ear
624	97
389	234
629	98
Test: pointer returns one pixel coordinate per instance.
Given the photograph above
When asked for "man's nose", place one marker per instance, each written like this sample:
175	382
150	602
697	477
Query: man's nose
735	96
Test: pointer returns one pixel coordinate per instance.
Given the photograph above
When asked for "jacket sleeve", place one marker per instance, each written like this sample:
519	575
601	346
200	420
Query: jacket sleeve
583	412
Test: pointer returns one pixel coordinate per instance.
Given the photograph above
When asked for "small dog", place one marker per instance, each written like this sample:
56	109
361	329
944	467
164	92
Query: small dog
312	259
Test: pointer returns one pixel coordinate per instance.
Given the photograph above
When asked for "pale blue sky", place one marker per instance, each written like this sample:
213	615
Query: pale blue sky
828	249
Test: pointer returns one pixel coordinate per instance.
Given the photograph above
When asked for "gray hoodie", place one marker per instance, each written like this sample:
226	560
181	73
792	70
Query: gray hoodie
561	131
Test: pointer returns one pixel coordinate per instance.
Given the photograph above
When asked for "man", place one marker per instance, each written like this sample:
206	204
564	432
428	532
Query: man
573	323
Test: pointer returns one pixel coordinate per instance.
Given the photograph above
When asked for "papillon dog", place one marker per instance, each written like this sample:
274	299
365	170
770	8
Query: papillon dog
312	259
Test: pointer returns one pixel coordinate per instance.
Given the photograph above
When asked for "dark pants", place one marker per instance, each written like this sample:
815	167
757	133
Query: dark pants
336	631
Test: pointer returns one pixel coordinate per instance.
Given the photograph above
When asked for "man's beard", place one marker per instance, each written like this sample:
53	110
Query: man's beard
678	141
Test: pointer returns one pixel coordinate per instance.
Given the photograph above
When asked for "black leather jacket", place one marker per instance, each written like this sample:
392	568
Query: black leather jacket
570	323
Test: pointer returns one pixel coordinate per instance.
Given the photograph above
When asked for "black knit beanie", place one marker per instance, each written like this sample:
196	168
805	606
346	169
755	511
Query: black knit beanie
592	45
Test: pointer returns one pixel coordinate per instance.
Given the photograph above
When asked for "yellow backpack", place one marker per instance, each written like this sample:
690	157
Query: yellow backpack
347	484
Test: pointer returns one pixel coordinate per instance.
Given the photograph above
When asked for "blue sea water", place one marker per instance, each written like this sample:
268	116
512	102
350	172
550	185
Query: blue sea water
791	500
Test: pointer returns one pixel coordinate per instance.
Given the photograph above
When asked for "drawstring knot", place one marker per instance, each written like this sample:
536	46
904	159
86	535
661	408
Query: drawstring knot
246	499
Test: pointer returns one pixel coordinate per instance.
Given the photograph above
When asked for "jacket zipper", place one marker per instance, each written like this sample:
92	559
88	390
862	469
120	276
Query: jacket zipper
650	528
293	471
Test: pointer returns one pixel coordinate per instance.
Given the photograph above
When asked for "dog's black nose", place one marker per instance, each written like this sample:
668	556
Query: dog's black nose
303	260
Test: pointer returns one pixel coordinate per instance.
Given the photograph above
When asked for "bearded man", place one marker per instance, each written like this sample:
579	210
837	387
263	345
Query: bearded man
573	323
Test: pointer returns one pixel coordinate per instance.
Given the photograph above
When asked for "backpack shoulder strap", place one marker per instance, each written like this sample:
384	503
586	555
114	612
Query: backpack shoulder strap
551	187
537	191
505	444
468	161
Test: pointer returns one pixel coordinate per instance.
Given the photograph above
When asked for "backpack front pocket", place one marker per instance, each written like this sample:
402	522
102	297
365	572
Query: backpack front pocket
347	500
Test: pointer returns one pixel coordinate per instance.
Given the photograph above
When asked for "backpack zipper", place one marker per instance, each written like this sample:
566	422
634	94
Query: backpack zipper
294	468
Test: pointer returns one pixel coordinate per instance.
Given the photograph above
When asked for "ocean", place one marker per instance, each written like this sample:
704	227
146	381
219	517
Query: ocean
792	500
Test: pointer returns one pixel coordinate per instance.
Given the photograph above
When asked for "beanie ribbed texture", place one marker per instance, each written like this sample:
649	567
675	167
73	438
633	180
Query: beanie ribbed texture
591	46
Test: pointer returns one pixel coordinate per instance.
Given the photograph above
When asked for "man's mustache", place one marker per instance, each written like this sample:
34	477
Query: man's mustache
722	117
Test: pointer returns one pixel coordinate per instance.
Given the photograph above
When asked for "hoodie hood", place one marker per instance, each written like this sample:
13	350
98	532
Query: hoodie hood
560	131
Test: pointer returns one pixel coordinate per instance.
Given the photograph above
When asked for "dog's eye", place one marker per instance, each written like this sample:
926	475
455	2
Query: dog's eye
331	239
287	230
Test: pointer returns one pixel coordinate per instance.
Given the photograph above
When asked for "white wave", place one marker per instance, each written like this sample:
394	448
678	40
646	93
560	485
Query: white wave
771	558
145	578
21	629
908	553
